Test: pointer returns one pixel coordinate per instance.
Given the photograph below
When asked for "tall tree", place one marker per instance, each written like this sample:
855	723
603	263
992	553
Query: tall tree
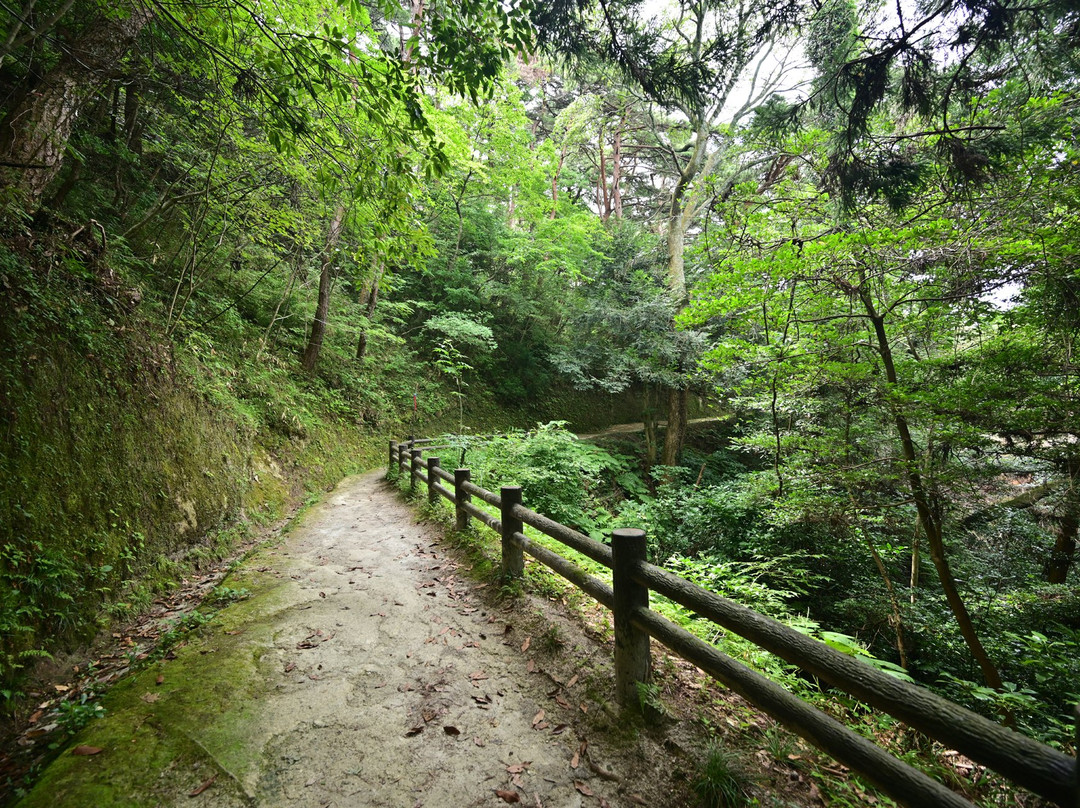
37	124
687	61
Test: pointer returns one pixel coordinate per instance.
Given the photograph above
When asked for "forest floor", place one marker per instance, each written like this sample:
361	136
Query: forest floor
364	666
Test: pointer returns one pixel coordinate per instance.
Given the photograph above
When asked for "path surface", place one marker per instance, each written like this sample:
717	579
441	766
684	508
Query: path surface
365	670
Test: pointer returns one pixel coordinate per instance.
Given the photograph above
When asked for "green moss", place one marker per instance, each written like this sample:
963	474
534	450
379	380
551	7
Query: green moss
160	742
124	461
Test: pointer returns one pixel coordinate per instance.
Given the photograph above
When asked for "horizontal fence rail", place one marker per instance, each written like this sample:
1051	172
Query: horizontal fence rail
1043	770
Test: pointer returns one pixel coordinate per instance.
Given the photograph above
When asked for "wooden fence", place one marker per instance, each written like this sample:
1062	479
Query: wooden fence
1028	763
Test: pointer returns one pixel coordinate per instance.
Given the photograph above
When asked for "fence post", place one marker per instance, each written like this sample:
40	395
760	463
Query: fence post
461	476
393	457
632	663
513	560
414	467
432	494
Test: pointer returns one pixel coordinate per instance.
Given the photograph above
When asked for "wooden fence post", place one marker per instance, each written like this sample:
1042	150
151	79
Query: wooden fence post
414	467
432	478
393	457
632	662
461	476
513	560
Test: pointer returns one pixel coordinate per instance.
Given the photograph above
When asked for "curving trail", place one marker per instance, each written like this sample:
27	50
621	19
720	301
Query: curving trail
365	670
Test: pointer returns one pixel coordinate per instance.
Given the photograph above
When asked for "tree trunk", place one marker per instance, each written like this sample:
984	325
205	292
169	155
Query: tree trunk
675	434
555	183
1061	558
616	171
370	296
36	130
603	204
931	523
648	417
322	308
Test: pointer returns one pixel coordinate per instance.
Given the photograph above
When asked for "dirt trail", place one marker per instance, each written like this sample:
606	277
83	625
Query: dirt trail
365	670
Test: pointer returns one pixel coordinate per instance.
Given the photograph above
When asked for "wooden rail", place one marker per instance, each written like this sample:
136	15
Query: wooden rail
1028	763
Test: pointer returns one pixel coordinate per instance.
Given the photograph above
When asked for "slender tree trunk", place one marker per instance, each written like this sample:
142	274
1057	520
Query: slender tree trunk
675	434
370	296
281	302
648	418
604	201
616	171
676	248
555	183
1064	552
322	308
36	130
931	524
897	619
916	559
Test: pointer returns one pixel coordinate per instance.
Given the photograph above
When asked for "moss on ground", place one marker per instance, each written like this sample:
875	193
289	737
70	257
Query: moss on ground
160	742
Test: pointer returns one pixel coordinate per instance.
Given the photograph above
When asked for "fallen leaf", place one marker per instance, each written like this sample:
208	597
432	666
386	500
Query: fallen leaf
478	741
62	688
290	667
35	717
414	731
584	707
160	678
150	698
583	788
507	796
518	768
530	666
454	731
562	702
525	645
86	750
203	787
573	681
575	761
538	718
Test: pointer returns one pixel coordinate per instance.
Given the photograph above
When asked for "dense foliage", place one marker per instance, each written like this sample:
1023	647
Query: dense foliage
275	231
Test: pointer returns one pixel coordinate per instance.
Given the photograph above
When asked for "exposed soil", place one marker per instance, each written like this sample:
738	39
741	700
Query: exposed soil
367	669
